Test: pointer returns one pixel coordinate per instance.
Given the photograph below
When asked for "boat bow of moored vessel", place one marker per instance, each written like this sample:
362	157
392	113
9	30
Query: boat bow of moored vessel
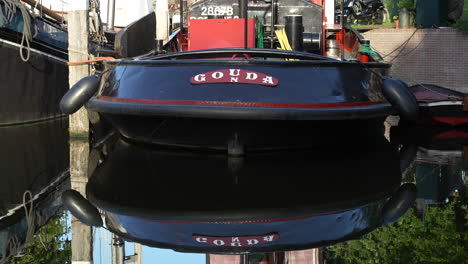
235	77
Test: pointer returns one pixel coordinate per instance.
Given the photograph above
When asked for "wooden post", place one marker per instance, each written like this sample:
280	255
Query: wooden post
78	51
82	235
162	19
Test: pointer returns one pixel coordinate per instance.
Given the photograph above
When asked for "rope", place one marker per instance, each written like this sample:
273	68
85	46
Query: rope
27	34
85	62
29	214
402	46
6	17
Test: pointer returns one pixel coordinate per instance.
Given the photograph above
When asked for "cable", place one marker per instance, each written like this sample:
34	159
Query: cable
399	47
411	51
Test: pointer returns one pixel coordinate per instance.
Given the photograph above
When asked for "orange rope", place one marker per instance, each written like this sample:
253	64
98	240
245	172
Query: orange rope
76	63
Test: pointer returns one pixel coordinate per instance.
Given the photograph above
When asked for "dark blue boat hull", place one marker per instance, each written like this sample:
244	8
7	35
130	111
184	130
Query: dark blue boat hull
146	99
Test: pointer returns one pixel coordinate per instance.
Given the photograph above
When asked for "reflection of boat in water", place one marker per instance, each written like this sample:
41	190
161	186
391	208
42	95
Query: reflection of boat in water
438	166
214	88
441	145
440	106
36	161
217	204
34	71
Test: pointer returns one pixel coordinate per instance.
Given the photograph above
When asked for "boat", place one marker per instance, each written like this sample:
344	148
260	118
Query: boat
440	106
228	79
34	71
218	204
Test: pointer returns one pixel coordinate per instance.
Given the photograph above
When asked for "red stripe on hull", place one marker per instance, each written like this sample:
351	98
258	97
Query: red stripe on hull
454	121
245	221
452	134
236	104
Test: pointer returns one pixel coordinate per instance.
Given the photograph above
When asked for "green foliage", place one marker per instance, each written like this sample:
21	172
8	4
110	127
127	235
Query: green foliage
392	8
443	239
462	23
50	245
408	4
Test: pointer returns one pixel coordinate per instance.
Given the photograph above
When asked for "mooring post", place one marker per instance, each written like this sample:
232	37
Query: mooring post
82	235
78	51
82	239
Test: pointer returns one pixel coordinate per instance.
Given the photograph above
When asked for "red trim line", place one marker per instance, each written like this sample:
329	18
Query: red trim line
454	121
237	104
244	222
452	134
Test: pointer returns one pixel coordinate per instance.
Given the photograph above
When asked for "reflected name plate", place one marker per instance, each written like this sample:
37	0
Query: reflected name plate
236	241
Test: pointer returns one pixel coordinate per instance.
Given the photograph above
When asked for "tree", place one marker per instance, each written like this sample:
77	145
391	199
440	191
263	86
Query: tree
462	23
50	244
443	239
392	7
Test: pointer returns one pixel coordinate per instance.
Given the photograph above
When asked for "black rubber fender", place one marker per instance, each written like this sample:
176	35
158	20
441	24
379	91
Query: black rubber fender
401	98
81	208
407	156
79	94
399	203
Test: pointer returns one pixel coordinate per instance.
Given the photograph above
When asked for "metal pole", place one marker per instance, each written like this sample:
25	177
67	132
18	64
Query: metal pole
110	14
342	31
273	22
118	253
139	253
243	13
181	20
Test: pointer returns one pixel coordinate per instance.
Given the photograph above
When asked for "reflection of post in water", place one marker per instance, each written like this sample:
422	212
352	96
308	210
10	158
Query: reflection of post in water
310	256
82	243
82	161
118	252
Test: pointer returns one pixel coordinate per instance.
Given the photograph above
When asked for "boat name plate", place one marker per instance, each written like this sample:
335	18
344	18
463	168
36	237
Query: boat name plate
234	76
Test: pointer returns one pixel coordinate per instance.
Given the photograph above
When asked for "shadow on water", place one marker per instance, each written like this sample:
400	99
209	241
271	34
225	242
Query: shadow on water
34	171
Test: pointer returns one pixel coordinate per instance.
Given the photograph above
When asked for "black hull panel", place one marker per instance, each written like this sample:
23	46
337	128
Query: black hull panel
30	91
32	157
252	135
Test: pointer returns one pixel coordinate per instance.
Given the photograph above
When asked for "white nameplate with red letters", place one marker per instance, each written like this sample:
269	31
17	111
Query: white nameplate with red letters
238	241
234	76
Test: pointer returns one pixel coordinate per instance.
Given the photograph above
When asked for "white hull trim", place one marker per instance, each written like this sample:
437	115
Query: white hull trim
443	103
34	51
